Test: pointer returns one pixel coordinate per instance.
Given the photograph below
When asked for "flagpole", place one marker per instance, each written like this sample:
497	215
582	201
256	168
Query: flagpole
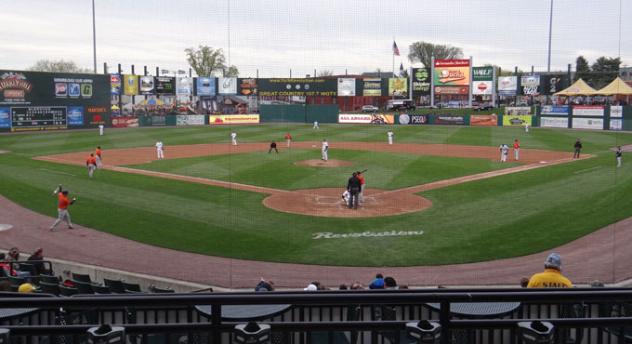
393	53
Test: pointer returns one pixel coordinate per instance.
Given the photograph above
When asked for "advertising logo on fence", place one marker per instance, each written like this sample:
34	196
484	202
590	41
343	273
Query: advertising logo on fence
449	120
247	87
451	72
346	87
517	120
518	110
227	85
184	86
482	87
482	83
555	110
616	111
130	85
398	87
507	85
300	87
189	119
165	85
553	83
14	86
5	117
588	110
421	81
615	124
115	84
413	119
553	122
205	86
233	119
365	119
484	120
372	87
587	123
75	115
147	85
125	122
530	85
452	90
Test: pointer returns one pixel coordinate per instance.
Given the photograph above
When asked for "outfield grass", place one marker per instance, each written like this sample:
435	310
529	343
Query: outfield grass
505	216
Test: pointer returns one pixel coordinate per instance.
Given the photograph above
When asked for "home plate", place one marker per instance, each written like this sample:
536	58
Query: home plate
5	227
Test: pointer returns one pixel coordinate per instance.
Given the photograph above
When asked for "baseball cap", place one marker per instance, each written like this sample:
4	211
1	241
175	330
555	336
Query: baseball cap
553	261
311	287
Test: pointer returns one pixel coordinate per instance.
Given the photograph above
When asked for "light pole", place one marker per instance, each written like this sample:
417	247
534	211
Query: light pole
94	39
548	65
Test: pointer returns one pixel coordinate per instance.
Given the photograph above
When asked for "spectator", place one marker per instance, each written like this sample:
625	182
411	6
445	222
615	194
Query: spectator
343	287
5	267
378	282
524	282
14	254
264	285
36	259
356	286
390	283
552	276
312	286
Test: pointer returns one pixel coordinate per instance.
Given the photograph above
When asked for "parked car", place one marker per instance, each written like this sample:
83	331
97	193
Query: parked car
370	108
400	104
481	106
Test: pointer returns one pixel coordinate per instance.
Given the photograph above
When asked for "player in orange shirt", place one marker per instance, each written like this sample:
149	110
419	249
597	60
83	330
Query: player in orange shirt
362	184
288	139
91	163
97	153
62	207
516	148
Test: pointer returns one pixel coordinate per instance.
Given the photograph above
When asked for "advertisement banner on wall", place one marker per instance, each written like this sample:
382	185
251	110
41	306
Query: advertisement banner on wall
482	88
616	111
553	110
452	90
38	118
346	87
452	72
413	119
484	120
97	115
205	86
372	87
553	83
75	116
189	120
448	120
344	118
517	120
130	85
398	87
115	84
227	86
530	85
615	124
421	82
247	87
165	85
184	86
300	87
518	110
553	122
482	80
125	122
233	119
587	123
5	118
588	110
147	85
507	85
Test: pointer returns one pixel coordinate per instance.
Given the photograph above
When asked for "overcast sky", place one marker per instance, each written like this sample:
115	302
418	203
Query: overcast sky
274	36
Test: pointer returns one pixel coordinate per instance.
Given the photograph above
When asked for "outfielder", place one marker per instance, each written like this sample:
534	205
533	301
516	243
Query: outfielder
233	138
390	137
316	125
288	139
504	151
101	129
324	150
516	148
618	154
91	164
97	153
159	150
62	207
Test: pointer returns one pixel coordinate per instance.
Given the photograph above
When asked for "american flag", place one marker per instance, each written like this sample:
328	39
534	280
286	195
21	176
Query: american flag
395	49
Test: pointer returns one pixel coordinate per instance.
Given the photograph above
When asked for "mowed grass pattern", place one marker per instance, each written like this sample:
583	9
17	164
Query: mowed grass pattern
505	216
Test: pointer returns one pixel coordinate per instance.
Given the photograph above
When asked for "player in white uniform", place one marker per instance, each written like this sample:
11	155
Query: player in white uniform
526	127
159	150
504	151
346	196
324	150
233	138
316	125
101	129
390	137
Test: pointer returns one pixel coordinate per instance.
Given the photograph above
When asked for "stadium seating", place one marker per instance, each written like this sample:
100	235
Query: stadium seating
49	288
81	278
67	291
116	286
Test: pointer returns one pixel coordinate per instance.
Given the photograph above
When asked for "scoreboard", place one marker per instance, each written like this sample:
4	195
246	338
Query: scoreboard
39	118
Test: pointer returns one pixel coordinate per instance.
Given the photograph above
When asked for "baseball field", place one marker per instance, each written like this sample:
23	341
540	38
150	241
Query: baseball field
439	195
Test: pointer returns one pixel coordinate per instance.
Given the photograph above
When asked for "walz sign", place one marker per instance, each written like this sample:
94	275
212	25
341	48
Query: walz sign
482	80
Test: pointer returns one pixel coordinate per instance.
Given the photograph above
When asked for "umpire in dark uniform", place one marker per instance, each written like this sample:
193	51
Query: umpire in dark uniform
353	186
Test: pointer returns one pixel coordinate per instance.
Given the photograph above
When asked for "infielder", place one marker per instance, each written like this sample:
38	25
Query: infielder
390	137
324	150
97	153
618	153
288	139
504	151
516	148
159	150
316	125
91	164
273	145
233	138
62	207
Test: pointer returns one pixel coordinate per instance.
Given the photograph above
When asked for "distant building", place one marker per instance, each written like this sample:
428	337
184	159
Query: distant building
625	73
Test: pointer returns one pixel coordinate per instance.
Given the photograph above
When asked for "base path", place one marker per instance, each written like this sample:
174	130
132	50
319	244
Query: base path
324	202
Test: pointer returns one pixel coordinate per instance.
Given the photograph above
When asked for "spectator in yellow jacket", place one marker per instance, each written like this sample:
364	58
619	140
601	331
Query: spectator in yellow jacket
552	276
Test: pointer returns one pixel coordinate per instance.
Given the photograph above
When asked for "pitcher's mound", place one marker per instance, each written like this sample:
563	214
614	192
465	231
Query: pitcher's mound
322	163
